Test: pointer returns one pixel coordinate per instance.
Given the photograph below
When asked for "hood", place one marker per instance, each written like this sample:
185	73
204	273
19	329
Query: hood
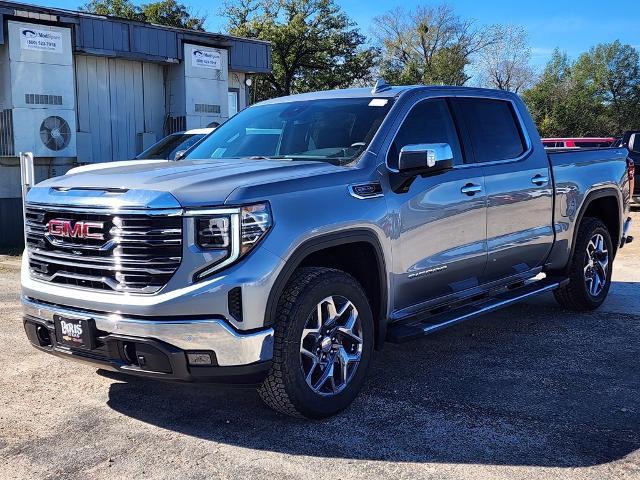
102	166
191	182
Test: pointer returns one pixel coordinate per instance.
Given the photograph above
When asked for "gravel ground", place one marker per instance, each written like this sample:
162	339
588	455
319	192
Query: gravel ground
528	392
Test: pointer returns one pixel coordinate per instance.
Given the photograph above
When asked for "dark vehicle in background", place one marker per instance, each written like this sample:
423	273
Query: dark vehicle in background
631	141
169	146
587	142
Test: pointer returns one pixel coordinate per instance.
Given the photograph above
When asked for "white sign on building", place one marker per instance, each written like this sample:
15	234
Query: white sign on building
40	40
206	59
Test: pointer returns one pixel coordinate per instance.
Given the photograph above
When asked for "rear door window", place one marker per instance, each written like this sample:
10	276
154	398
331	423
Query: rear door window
493	128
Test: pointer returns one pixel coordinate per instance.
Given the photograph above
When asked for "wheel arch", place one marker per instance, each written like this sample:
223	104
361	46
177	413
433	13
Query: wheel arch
313	248
592	204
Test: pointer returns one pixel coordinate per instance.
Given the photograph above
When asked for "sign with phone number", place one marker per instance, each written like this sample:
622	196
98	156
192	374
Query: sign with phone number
40	40
206	59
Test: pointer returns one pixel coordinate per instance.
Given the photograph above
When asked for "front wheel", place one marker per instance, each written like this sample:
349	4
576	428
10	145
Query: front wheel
323	344
590	268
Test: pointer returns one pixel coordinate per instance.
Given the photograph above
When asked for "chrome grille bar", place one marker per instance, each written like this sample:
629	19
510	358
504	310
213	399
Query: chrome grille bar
136	253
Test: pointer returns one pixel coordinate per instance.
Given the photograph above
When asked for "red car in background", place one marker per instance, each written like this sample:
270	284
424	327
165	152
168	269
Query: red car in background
586	142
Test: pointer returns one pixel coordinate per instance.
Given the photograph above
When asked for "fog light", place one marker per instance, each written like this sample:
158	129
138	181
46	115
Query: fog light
199	358
43	336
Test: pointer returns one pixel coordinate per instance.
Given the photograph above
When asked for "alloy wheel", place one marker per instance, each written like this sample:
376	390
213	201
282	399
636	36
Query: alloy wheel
331	345
596	265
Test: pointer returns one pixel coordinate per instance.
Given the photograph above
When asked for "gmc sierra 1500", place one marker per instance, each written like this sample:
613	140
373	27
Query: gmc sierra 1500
307	230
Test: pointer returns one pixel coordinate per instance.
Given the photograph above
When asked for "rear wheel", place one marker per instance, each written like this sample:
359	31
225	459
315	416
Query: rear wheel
323	344
590	268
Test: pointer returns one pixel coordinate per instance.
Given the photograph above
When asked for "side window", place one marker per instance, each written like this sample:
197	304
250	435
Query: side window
493	127
428	122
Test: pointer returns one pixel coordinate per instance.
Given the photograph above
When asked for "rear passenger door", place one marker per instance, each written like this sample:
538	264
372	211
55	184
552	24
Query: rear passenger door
518	186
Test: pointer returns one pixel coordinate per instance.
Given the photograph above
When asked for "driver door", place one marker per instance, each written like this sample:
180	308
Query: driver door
439	247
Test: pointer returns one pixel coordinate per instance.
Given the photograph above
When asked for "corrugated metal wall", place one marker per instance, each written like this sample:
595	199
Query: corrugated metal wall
118	101
108	36
120	37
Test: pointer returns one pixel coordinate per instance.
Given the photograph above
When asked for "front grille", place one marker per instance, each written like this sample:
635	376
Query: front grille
139	253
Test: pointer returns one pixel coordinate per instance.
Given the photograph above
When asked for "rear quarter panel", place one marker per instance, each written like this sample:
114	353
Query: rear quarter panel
578	176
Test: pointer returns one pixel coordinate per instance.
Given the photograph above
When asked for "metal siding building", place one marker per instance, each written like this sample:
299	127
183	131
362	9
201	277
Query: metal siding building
103	89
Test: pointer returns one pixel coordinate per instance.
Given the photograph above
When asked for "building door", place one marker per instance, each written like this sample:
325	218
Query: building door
120	106
234	101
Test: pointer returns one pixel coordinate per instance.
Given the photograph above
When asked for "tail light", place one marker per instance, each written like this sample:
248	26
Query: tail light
631	171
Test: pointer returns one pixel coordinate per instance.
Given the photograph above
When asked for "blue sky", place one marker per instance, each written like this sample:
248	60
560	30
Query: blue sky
572	25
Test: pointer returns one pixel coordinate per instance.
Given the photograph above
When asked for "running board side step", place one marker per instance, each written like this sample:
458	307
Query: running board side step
423	325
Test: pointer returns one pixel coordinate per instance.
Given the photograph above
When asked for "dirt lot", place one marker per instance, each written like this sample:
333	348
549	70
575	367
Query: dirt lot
528	392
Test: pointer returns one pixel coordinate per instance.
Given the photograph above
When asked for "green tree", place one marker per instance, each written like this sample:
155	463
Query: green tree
547	99
164	12
598	95
612	72
314	45
172	14
114	8
428	45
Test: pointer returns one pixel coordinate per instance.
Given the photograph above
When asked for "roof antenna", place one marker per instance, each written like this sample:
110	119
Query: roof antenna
380	86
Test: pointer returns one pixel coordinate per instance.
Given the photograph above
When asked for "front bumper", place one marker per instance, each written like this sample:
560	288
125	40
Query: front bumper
180	296
164	343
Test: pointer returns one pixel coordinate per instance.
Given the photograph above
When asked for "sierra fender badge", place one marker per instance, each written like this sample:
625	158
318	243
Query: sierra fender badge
429	271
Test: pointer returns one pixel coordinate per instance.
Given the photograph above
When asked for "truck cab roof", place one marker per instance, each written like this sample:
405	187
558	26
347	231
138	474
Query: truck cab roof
389	92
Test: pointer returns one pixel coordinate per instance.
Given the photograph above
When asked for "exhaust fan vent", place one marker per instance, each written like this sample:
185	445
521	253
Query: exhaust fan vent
207	108
55	133
36	99
6	133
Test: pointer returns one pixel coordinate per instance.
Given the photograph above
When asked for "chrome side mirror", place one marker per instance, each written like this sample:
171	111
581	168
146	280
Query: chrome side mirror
634	143
179	155
425	158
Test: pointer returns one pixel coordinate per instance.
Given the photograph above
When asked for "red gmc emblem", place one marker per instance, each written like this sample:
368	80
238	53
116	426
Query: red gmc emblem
65	228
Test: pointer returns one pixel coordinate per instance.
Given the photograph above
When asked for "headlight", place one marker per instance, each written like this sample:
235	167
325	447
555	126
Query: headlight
234	232
213	232
255	222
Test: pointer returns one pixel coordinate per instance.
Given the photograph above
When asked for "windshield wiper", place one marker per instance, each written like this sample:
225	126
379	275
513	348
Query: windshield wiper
263	157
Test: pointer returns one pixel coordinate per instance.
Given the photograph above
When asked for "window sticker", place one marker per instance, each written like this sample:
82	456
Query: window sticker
378	102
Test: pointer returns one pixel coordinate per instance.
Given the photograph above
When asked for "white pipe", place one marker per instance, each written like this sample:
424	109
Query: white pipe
27	180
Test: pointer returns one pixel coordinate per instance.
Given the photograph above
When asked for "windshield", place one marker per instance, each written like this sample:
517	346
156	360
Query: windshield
167	148
330	130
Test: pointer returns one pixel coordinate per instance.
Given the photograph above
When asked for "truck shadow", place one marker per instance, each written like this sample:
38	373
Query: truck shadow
530	385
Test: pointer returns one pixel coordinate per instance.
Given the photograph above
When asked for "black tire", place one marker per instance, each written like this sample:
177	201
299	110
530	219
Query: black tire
285	388
575	295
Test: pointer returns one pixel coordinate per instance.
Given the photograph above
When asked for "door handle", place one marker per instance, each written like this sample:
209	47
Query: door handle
471	189
540	180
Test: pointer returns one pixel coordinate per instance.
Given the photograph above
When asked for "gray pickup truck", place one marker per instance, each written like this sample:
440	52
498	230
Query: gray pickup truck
306	231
